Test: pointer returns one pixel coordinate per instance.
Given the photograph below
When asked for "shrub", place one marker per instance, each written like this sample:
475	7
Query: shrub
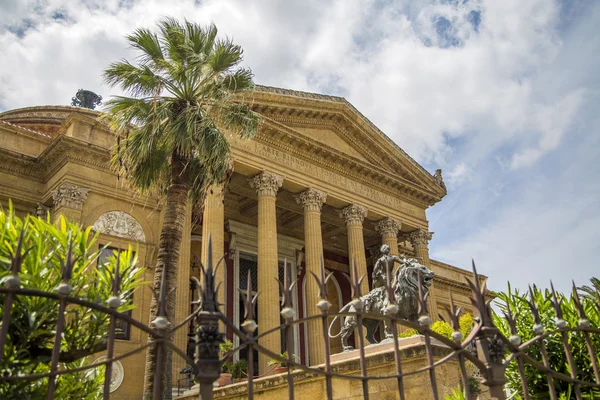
536	379
33	320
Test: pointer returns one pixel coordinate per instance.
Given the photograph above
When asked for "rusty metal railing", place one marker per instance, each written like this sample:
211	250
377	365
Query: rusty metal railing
494	351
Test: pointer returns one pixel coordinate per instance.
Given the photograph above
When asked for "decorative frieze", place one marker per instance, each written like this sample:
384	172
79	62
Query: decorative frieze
388	227
354	214
70	196
420	238
311	199
120	224
266	183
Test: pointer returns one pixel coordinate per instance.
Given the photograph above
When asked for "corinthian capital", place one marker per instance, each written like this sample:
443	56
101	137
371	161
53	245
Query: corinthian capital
311	199
353	214
266	183
420	238
70	196
388	227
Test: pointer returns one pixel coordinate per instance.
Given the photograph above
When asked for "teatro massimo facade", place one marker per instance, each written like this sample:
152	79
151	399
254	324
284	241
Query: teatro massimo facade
319	180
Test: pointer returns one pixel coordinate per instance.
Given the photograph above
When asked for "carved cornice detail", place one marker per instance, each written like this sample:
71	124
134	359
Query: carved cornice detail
278	135
344	113
354	214
120	224
311	199
419	238
266	183
70	196
388	227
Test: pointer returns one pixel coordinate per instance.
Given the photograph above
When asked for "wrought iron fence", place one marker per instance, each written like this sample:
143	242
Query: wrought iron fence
493	353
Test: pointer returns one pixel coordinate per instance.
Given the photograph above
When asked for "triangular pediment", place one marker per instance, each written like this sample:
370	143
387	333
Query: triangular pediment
332	139
335	124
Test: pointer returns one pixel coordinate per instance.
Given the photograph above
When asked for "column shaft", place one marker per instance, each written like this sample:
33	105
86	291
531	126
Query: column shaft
267	185
213	222
354	216
312	200
420	241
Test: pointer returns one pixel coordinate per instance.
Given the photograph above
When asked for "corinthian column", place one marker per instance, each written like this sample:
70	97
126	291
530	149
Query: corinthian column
312	200
68	201
267	184
420	242
354	215
213	221
388	228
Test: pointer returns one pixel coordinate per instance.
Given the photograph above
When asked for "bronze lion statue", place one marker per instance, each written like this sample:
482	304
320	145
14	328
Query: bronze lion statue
406	293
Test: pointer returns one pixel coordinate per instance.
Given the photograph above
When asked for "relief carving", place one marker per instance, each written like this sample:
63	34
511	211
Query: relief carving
388	227
354	214
419	238
120	224
266	183
311	199
70	196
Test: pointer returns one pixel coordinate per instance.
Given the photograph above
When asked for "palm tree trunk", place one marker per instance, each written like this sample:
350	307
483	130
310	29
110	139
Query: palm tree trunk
171	236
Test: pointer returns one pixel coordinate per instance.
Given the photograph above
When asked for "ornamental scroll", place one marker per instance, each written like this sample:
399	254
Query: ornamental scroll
120	224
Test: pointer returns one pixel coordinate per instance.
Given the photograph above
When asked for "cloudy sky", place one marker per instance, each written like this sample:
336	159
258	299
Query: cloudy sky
502	95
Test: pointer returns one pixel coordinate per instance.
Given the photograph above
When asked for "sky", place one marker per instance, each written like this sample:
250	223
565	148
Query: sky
503	96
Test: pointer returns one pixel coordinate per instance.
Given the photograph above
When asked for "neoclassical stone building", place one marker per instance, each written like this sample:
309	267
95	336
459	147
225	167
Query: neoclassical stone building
318	181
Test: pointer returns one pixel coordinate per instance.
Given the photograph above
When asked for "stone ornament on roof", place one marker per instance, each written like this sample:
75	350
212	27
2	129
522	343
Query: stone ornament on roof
437	177
70	196
266	183
120	224
388	227
354	214
311	199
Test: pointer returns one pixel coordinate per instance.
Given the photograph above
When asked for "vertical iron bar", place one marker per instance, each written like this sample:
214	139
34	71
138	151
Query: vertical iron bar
250	369
328	379
399	378
56	349
464	376
12	282
113	302
361	350
592	353
158	389
432	378
110	350
551	387
289	349
524	383
8	302
572	367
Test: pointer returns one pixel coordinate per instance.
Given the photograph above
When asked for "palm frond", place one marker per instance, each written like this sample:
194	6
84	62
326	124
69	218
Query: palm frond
181	104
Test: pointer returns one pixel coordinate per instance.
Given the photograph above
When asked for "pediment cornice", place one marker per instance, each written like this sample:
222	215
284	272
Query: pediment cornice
295	108
67	149
278	135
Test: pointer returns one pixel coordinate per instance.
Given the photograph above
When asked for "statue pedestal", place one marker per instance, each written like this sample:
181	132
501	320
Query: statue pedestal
380	362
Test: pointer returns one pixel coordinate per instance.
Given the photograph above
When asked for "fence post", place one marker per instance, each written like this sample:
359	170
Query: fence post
207	366
489	341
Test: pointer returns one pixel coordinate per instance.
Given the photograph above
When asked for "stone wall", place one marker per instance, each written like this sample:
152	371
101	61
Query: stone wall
380	362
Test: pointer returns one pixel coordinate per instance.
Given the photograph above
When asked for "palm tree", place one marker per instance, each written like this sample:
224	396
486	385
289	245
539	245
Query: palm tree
184	95
591	292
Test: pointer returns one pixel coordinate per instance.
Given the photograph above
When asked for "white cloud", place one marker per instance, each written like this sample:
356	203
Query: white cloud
457	84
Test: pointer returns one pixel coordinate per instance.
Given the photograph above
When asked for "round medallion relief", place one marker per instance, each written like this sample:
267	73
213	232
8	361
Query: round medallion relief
117	374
